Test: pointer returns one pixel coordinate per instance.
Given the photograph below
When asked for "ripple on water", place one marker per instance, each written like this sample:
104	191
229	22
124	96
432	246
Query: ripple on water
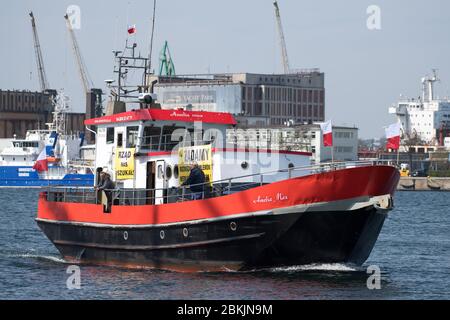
412	253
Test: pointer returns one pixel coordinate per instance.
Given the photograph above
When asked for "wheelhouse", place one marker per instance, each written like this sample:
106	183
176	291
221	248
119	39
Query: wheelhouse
152	149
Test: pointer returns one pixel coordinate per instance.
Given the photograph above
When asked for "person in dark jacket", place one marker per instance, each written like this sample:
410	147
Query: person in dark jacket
196	177
106	185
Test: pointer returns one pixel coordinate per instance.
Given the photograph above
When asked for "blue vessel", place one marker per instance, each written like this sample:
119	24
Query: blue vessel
66	164
26	176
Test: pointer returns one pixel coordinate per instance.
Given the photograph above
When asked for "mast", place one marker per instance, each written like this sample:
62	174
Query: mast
428	86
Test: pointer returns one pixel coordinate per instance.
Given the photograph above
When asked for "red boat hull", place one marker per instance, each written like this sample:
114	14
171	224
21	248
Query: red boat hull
328	217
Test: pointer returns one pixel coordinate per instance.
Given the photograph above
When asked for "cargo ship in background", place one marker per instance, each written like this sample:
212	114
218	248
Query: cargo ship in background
64	156
259	207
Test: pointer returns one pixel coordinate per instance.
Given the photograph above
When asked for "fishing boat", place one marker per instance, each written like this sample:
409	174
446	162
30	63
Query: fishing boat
259	207
62	150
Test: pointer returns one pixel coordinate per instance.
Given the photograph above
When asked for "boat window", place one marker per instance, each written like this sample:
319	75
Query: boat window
132	136
110	135
119	140
169	139
151	137
28	144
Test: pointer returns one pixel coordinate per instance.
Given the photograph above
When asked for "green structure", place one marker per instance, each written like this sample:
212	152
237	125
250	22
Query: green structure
166	66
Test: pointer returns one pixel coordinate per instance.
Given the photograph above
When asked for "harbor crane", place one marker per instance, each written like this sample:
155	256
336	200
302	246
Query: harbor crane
284	55
39	59
93	96
82	70
166	66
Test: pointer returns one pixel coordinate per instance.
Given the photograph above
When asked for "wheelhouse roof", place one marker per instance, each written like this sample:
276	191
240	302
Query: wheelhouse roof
164	115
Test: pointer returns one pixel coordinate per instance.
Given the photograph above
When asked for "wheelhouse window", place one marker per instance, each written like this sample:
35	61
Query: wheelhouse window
172	136
119	140
110	135
132	136
151	137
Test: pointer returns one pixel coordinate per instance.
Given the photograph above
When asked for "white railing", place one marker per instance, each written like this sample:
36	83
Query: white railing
183	193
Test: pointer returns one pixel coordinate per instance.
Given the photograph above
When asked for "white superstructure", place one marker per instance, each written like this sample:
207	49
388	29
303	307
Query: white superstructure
61	147
423	117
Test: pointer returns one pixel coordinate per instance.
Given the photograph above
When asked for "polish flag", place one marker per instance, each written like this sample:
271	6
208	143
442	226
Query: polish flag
327	132
41	163
132	29
393	136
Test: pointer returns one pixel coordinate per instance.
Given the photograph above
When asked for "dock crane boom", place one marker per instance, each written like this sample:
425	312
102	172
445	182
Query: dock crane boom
82	70
39	59
93	96
284	54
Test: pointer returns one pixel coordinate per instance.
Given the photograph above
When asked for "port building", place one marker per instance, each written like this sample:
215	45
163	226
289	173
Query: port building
28	110
254	99
307	138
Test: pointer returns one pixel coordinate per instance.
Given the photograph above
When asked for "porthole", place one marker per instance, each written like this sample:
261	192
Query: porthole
185	232
168	172
162	234
125	235
244	165
175	171
233	226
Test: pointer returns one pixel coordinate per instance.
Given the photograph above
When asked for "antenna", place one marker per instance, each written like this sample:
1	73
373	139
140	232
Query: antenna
151	39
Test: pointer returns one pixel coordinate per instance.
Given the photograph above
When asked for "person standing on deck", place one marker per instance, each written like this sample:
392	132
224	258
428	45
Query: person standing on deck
196	181
106	185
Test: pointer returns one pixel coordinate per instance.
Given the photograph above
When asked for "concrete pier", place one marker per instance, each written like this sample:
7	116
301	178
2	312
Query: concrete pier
424	184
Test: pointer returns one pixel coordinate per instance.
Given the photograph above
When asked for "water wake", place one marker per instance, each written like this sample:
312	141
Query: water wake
335	267
39	257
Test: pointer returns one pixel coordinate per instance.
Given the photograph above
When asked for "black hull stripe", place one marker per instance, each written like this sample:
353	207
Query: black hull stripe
160	247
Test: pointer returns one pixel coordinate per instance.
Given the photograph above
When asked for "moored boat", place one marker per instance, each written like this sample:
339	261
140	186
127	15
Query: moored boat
62	154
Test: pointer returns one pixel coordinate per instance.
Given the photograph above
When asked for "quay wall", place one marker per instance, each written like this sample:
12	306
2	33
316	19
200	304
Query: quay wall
424	184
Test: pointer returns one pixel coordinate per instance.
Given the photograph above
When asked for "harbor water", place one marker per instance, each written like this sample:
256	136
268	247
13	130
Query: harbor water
413	254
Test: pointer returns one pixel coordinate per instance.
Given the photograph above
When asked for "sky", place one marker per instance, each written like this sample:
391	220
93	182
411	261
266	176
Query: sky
365	70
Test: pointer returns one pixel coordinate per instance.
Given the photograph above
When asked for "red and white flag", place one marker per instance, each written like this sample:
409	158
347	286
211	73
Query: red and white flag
327	133
41	163
132	29
393	136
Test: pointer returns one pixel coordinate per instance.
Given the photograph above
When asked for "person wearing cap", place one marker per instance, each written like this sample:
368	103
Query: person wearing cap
195	181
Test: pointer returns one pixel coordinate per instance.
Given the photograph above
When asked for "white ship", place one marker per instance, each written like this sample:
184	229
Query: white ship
425	118
63	154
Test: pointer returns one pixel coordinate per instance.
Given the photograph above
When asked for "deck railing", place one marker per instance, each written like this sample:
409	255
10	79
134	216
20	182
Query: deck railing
142	196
